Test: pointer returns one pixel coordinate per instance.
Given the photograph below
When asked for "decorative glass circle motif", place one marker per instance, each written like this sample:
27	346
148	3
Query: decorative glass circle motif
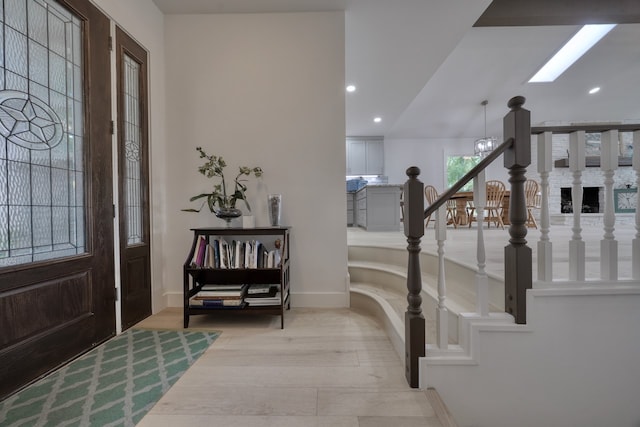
132	151
28	122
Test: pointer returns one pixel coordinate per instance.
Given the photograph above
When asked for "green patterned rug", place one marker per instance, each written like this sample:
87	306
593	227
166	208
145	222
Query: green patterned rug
114	384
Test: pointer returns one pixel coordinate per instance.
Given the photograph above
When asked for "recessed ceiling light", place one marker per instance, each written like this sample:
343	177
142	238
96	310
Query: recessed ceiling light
377	119
594	90
351	88
571	52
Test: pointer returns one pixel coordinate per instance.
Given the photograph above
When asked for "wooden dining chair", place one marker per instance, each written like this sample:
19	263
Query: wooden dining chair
532	198
431	194
495	194
452	213
493	206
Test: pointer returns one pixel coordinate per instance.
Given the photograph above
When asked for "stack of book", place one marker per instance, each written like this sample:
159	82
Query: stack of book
218	253
220	296
261	295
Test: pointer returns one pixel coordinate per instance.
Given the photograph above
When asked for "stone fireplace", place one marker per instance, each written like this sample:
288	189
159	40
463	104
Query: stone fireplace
591	179
592	198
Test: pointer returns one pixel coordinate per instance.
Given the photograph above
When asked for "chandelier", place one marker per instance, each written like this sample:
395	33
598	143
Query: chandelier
483	146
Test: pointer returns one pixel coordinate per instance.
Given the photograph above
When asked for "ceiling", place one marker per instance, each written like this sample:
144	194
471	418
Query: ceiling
424	68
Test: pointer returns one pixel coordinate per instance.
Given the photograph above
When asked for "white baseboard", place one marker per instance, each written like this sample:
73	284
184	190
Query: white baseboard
320	299
174	299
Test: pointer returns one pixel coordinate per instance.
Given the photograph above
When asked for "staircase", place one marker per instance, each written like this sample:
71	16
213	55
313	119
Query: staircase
578	344
561	349
379	286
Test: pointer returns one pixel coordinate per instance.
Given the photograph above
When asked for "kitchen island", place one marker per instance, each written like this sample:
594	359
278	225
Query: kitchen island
377	207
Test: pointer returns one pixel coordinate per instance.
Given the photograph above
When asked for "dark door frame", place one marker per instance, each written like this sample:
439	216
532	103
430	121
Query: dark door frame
135	260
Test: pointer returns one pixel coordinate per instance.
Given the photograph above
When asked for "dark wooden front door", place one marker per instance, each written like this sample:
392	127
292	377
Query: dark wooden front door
57	296
133	180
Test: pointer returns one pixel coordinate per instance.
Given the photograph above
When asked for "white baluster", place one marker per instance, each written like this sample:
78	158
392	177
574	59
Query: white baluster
482	282
576	245
635	253
609	148
545	165
441	312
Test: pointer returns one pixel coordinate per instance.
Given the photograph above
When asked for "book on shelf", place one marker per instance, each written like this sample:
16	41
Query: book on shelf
217	303
263	301
273	259
263	290
261	257
229	292
223	302
224	254
216	252
209	258
197	260
202	250
218	287
246	251
233	253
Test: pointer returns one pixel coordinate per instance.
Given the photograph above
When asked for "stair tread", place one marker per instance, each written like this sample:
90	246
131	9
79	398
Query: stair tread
460	299
399	306
402	270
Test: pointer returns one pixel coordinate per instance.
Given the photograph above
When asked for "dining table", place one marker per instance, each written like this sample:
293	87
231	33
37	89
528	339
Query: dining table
462	197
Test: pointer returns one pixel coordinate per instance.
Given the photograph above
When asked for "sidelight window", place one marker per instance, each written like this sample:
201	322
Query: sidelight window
132	134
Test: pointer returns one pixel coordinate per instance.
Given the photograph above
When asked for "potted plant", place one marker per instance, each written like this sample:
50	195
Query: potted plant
219	201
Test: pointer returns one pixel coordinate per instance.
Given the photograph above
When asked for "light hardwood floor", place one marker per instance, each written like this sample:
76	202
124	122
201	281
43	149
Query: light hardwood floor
327	368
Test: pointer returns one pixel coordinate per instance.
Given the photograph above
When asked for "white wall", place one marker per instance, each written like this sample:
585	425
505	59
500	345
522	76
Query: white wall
430	155
261	90
575	363
142	20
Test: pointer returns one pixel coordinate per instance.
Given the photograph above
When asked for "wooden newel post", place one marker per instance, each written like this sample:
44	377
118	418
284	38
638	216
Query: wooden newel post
517	255
414	328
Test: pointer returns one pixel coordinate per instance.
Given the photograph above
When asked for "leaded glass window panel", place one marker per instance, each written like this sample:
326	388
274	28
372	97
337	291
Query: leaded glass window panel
132	137
42	202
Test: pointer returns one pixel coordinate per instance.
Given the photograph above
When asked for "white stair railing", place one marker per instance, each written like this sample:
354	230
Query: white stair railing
442	320
609	148
635	253
545	246
482	281
614	168
576	166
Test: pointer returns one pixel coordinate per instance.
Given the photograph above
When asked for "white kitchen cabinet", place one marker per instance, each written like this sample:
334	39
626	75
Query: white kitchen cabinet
378	207
365	156
350	208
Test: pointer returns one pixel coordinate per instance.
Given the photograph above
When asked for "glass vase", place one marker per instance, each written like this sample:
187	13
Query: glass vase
228	214
274	206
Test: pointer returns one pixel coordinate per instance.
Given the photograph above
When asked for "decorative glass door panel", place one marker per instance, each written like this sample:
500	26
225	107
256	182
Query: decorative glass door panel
132	136
42	200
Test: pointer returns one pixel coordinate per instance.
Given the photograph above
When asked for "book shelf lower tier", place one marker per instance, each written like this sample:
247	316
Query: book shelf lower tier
199	277
275	309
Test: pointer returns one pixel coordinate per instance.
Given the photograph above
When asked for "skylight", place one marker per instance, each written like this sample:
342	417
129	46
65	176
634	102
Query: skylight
571	52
